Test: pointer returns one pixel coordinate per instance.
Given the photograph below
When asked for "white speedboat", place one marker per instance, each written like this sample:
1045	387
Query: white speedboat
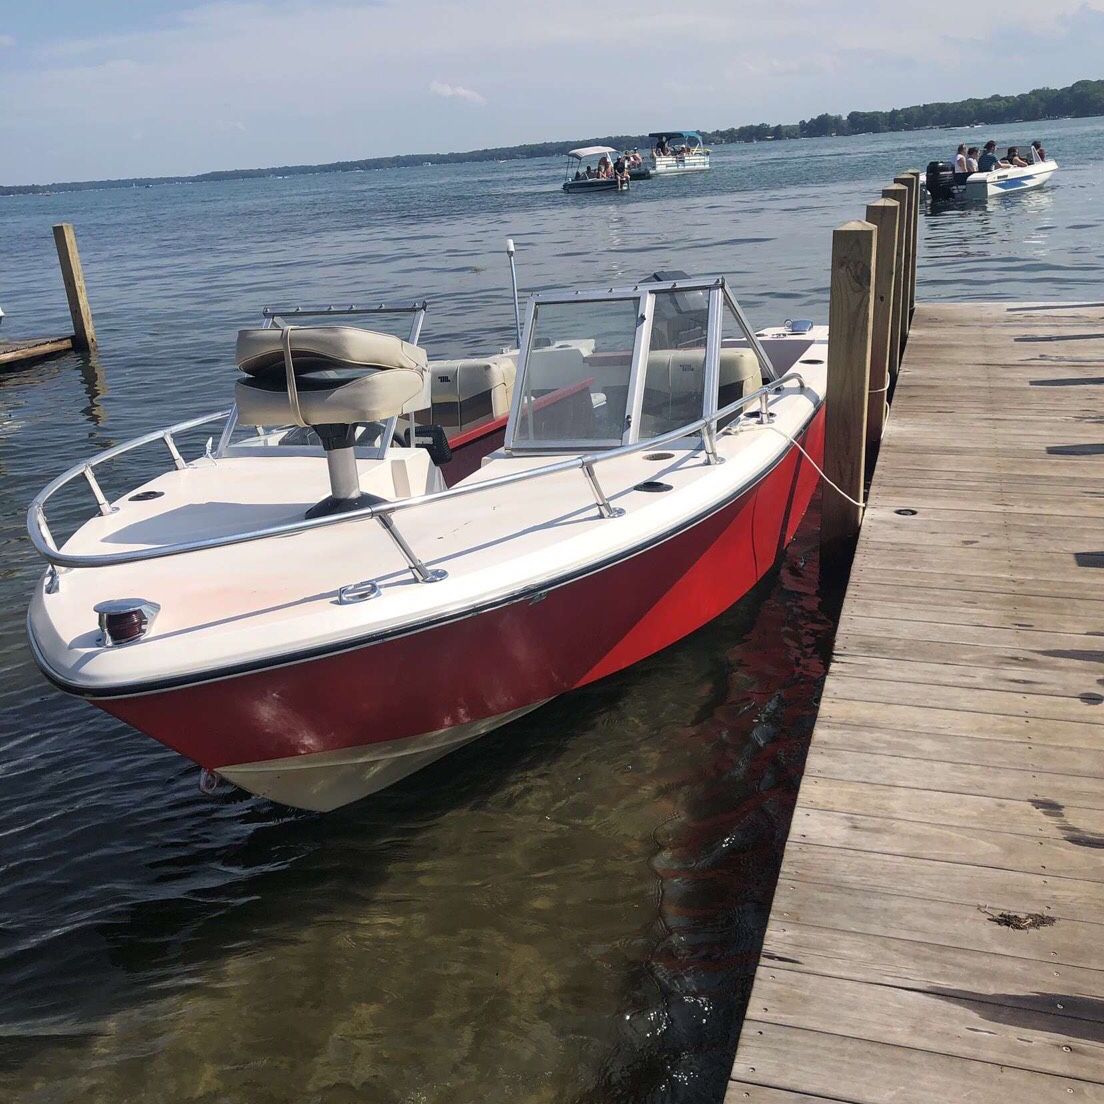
944	185
1007	181
308	609
678	151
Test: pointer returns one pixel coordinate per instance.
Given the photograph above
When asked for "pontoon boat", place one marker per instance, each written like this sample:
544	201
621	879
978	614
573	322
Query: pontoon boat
678	151
319	604
575	178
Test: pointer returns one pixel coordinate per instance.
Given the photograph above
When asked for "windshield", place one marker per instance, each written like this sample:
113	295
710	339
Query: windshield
576	383
602	372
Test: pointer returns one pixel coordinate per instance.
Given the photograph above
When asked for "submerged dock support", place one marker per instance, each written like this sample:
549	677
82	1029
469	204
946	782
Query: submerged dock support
850	324
84	331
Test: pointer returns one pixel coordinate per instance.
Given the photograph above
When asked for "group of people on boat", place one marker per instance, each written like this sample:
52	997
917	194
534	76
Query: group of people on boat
663	149
968	160
612	170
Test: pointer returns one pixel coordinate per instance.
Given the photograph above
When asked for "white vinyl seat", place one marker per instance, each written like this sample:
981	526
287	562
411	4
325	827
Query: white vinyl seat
331	378
674	387
468	390
342	376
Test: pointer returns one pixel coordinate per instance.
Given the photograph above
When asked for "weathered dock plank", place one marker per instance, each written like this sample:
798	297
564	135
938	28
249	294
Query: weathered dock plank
30	349
938	928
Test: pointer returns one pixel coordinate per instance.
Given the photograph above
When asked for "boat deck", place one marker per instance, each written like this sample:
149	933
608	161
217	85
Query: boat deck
938	928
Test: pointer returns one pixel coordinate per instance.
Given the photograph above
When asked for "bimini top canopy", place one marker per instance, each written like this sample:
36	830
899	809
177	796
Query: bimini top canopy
676	134
590	151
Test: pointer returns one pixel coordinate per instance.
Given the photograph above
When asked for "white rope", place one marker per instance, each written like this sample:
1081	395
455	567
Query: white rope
795	443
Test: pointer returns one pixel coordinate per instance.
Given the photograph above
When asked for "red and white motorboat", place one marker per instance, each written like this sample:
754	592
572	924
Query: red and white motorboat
311	609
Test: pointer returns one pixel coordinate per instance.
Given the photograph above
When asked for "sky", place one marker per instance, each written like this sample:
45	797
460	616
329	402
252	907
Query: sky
94	89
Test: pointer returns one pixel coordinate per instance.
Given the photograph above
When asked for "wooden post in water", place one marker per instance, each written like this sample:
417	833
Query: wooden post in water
84	332
850	320
899	194
882	214
912	184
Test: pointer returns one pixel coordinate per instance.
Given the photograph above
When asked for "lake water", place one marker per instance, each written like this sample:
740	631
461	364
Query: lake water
567	911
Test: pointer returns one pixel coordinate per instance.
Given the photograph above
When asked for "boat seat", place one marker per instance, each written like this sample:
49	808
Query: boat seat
472	389
343	375
675	385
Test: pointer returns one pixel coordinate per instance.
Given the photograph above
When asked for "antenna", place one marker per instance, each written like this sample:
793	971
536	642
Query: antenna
513	281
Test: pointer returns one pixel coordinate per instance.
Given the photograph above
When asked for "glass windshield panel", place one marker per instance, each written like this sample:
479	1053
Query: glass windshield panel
576	384
674	379
739	372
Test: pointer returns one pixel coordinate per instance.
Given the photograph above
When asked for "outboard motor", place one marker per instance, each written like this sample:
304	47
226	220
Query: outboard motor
939	180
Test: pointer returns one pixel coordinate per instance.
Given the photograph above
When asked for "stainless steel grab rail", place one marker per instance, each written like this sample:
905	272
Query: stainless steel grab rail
39	532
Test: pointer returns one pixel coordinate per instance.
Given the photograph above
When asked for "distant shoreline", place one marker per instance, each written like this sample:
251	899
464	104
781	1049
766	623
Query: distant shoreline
1083	99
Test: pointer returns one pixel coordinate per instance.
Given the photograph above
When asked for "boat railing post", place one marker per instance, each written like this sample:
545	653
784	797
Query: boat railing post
709	443
605	508
418	569
94	486
174	452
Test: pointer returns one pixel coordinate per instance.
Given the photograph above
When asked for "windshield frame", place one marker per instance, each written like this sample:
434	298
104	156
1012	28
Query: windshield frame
644	294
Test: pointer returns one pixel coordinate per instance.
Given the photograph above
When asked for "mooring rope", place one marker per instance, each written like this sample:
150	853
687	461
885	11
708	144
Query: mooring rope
793	441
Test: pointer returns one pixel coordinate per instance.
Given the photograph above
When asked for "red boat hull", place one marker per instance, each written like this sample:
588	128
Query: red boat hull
495	663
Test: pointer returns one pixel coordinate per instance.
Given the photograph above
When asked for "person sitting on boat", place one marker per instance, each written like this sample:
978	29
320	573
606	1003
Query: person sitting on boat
621	170
1040	153
972	159
1014	159
591	174
661	148
988	161
960	160
605	169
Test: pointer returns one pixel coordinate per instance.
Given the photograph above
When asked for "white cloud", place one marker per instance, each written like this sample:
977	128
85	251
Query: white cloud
457	91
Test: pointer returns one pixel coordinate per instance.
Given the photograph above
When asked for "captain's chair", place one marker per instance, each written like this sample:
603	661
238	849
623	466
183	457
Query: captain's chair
331	378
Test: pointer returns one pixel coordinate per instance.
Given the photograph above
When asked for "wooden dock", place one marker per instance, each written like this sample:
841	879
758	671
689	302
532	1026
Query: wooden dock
938	930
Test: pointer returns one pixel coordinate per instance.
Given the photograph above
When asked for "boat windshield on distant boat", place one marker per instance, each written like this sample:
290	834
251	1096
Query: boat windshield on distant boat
678	151
1012	173
595	169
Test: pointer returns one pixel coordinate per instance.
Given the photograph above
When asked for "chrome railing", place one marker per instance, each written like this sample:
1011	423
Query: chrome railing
38	528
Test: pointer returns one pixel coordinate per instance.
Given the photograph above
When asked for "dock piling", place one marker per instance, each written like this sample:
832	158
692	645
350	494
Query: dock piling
84	331
899	194
915	174
850	323
911	182
884	214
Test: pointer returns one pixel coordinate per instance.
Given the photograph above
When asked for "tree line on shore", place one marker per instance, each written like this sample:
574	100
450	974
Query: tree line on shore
1082	99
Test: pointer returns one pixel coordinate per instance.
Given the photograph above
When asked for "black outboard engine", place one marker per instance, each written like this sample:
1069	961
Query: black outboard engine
939	180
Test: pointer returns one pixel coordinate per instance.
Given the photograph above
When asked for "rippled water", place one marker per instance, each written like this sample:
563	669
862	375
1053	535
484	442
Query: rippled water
568	910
